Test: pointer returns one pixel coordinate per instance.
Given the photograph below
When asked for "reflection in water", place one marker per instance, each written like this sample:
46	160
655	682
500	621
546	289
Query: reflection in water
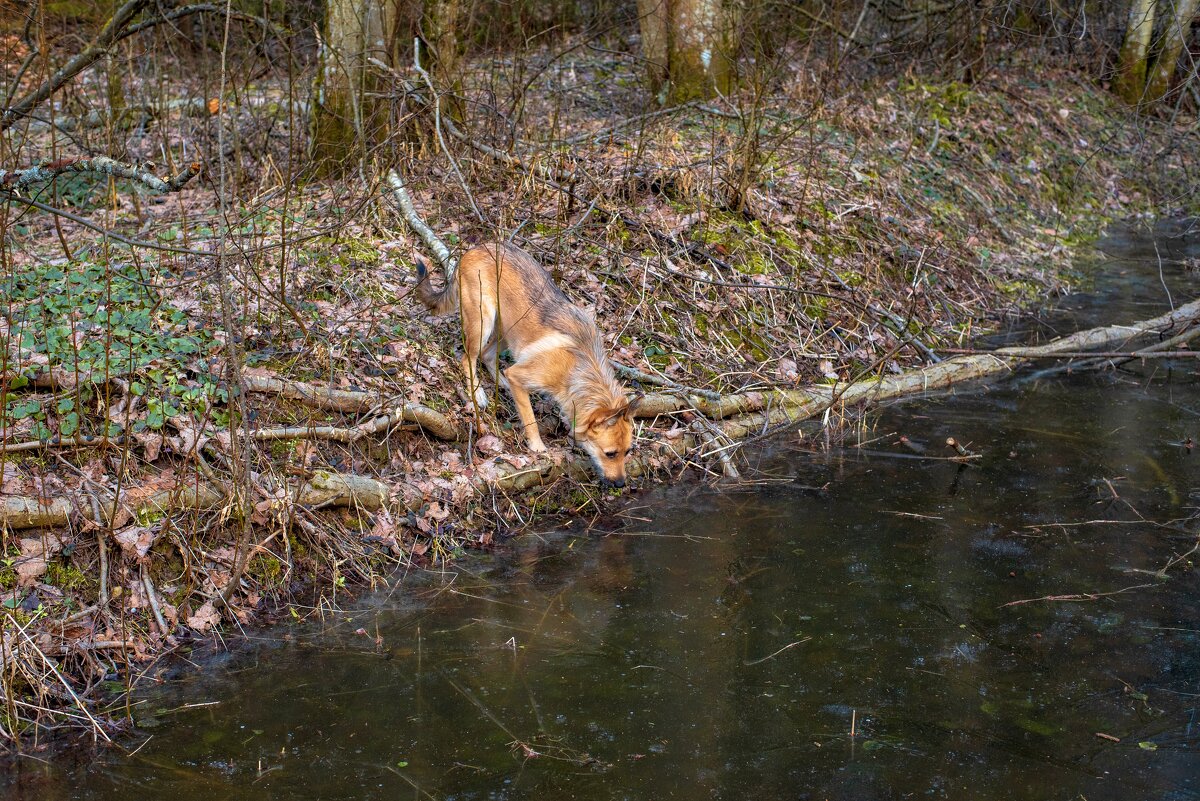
774	642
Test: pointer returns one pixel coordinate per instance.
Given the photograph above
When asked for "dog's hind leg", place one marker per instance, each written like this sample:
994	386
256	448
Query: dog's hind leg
491	358
478	341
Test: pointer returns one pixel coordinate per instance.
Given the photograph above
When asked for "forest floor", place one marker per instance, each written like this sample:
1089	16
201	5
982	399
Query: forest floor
729	247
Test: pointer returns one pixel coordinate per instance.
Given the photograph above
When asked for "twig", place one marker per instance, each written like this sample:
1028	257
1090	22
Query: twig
628	121
96	727
102	530
153	598
711	436
437	127
902	329
418	226
95	645
351	401
774	654
1124	355
335	433
634	374
1082	596
176	14
77	441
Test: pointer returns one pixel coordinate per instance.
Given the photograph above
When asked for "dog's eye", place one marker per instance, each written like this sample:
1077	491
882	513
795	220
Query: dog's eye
610	454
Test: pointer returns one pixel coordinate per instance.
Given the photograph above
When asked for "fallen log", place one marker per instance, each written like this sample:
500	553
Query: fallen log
24	511
324	488
355	402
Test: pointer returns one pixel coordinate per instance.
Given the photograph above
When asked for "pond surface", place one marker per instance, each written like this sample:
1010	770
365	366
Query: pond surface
773	642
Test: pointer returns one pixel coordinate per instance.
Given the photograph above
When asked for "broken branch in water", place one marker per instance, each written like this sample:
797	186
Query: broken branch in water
1124	355
1080	596
749	415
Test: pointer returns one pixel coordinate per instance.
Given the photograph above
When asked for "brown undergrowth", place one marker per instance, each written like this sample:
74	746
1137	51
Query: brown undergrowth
806	238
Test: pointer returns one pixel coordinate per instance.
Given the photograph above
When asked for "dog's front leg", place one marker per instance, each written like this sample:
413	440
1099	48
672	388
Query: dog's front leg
520	397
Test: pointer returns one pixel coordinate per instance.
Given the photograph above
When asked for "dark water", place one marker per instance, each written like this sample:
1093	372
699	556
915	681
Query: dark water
725	643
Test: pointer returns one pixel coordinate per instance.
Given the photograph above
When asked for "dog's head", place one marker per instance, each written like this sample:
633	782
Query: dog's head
606	435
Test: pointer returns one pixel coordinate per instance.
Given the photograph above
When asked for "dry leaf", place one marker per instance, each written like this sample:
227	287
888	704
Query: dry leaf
136	541
151	443
489	444
10	479
787	370
205	618
36	552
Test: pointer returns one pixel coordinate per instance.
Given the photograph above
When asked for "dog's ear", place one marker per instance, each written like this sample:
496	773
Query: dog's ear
609	417
582	424
633	403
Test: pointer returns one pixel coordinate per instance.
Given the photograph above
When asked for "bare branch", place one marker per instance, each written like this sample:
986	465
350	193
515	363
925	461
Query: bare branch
350	401
102	165
136	243
418	226
199	8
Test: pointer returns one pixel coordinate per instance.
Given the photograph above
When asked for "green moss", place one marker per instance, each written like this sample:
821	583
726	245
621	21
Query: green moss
148	516
66	576
783	239
297	547
1018	289
73	10
266	569
756	263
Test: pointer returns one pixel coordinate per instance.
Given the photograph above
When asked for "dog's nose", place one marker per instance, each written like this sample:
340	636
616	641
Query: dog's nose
619	483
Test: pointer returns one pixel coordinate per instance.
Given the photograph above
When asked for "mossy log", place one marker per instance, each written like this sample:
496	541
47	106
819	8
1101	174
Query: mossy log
24	511
324	488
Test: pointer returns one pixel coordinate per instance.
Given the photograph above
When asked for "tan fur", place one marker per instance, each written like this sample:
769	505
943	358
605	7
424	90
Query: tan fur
508	301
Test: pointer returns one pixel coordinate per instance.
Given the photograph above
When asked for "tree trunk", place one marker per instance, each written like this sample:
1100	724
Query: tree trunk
1130	82
688	47
441	50
1176	33
439	32
349	115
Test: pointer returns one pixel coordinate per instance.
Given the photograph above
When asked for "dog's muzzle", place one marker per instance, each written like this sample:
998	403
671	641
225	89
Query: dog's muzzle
619	483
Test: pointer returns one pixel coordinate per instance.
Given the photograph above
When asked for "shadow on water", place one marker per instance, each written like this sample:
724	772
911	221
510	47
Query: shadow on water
773	642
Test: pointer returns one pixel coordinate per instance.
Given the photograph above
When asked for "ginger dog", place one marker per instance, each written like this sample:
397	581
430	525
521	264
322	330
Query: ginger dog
508	301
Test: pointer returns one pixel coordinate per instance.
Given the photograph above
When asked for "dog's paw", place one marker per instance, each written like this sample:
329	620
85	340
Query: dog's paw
481	398
538	447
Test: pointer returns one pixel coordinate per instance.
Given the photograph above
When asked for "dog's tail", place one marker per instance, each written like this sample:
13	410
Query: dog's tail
443	301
